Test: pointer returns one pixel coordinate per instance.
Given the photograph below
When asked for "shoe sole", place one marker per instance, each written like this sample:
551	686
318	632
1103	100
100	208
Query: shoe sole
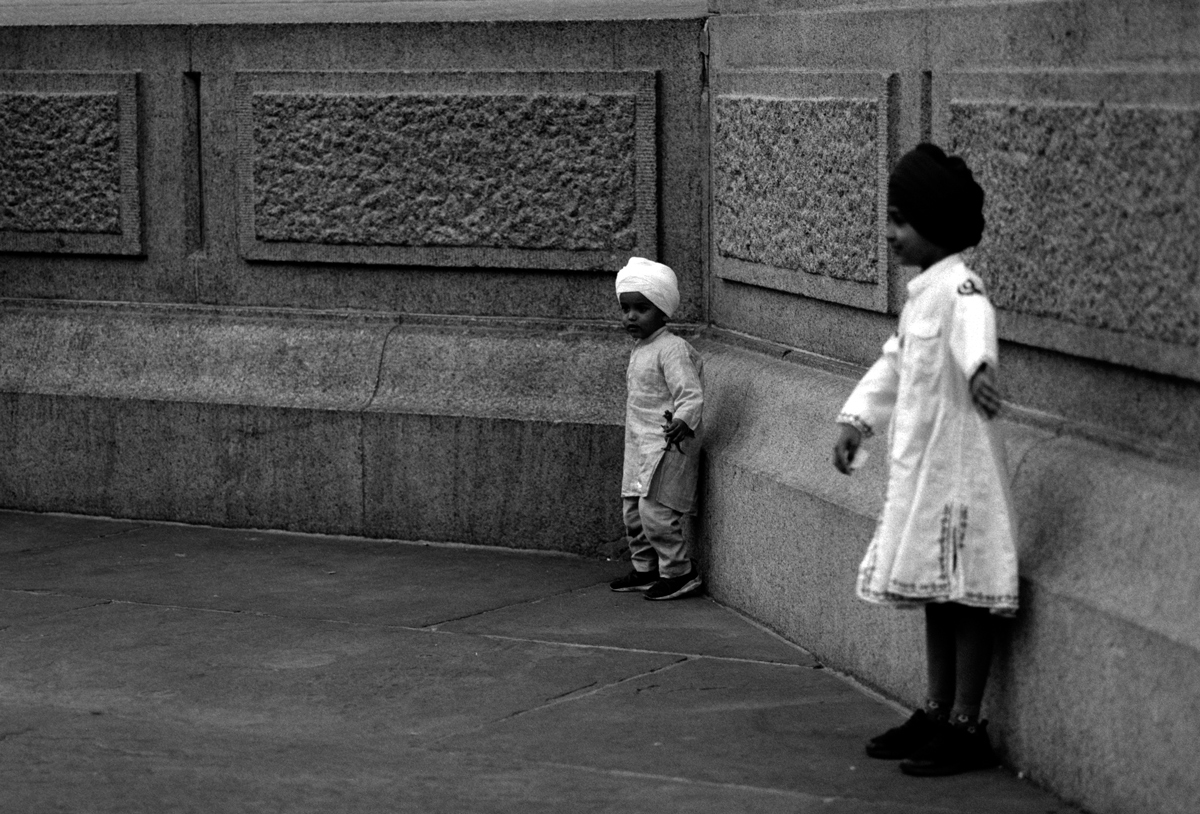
943	770
691	586
631	588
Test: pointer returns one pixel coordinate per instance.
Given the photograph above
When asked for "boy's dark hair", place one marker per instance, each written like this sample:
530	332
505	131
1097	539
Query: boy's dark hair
938	195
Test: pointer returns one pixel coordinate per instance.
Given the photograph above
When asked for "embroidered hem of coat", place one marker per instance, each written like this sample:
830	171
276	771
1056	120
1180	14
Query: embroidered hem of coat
999	605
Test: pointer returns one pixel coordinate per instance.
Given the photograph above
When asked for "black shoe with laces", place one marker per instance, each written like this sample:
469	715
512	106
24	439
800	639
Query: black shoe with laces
902	741
957	748
675	587
634	581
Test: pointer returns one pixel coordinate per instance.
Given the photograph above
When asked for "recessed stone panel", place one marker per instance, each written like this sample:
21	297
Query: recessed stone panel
541	170
800	164
1093	209
69	179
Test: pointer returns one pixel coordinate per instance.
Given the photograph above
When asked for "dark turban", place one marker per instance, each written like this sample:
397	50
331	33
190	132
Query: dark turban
938	196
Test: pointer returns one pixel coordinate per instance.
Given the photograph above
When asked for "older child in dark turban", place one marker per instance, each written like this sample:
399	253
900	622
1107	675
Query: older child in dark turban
945	538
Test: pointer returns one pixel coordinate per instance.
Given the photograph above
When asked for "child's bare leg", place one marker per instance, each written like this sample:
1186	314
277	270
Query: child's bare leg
973	642
959	640
941	641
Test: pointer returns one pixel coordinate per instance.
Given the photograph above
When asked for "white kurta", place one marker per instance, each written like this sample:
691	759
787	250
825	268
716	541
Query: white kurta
663	374
946	531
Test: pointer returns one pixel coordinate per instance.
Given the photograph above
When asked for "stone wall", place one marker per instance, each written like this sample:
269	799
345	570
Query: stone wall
340	278
1080	121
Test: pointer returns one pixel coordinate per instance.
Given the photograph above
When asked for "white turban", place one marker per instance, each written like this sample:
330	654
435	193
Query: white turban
654	281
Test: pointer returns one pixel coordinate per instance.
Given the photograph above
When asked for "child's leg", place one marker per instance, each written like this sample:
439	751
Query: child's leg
663	532
958	644
941	667
973	641
641	552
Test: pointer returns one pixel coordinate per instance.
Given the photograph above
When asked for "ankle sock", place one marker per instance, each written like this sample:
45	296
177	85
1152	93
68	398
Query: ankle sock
937	710
964	717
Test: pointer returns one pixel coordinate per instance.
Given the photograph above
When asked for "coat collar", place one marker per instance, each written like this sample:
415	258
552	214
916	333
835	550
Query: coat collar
931	275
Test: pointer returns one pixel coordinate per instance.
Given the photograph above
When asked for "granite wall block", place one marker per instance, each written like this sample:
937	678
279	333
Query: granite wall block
800	167
1092	187
69	174
493	481
232	465
537	170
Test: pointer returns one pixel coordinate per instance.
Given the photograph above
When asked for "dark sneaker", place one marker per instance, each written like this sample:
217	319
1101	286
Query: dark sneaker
901	741
634	581
953	750
675	587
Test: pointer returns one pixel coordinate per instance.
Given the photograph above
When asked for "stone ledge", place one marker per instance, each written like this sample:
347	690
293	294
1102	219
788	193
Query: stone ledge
314	360
373	425
169	12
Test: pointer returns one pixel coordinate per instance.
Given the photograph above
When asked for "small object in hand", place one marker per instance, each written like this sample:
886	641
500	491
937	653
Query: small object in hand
860	458
670	416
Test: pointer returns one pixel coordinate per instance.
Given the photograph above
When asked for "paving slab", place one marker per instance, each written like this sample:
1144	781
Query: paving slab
25	533
351	579
159	667
597	616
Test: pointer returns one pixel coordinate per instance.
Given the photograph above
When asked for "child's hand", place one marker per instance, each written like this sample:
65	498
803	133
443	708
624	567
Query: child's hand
984	392
846	448
676	430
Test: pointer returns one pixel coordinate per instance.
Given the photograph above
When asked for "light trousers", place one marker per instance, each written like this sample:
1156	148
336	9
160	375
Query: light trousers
656	537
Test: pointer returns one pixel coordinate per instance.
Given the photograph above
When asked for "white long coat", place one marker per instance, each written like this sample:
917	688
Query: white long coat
664	374
946	530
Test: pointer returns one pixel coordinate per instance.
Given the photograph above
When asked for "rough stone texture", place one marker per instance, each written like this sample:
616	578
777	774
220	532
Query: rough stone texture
188	99
501	169
1092	213
533	172
69	163
59	163
797	184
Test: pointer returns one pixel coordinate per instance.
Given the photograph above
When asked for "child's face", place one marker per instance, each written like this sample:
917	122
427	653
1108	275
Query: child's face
641	317
910	246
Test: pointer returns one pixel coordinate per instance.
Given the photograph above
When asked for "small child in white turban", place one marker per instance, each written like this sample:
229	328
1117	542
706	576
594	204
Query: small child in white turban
661	460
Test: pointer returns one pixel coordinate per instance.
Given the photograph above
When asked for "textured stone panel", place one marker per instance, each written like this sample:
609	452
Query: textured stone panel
799	183
1094	213
1093	207
796	184
68	163
538	172
59	163
426	168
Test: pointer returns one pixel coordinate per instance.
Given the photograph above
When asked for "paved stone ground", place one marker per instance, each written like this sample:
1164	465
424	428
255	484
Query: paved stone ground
150	667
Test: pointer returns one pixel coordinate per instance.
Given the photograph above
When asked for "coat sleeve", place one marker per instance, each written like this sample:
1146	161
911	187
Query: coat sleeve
869	407
973	330
683	380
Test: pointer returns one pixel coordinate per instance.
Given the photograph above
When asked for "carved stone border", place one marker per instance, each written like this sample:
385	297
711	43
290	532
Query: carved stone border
642	85
1080	90
125	87
880	88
